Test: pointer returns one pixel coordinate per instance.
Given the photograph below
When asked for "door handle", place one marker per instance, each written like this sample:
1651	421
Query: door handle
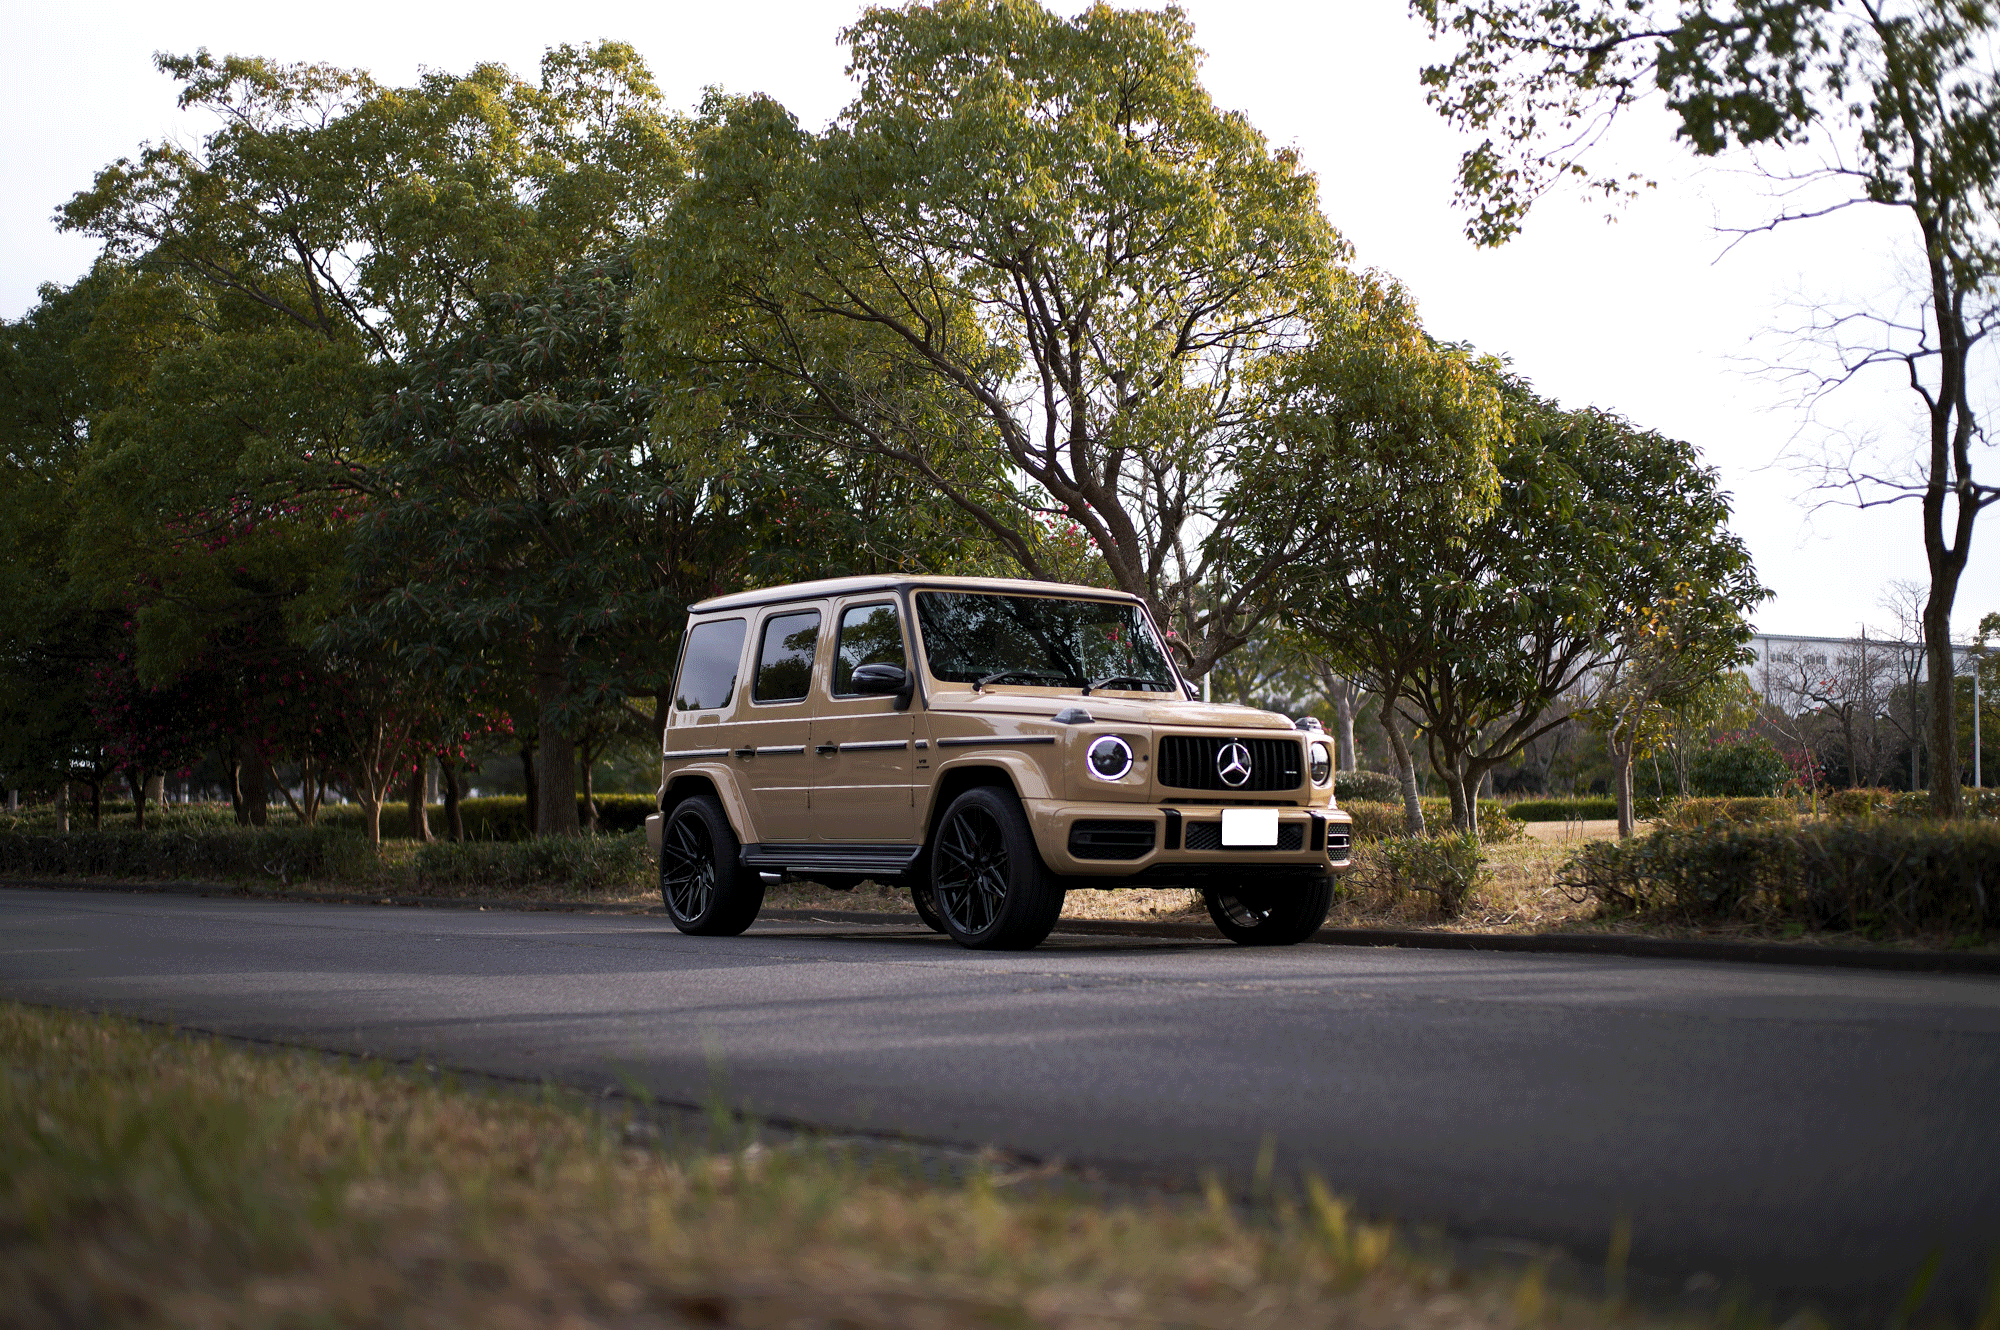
746	752
824	749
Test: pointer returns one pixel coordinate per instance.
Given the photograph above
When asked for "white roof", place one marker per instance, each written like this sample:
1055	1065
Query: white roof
851	586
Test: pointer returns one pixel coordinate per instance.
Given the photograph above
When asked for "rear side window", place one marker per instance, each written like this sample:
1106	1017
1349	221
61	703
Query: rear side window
785	662
869	635
708	665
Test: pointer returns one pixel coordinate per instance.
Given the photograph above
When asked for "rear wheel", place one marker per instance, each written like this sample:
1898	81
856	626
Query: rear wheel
705	889
1269	914
920	896
989	885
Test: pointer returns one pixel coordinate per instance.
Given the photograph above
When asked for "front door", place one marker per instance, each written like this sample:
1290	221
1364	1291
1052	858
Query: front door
862	746
773	734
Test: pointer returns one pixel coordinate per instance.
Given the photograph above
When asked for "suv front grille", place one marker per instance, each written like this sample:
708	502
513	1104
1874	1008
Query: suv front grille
1111	840
1187	762
1208	836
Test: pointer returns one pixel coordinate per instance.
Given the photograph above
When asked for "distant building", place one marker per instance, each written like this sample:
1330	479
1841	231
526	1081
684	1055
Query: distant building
1779	654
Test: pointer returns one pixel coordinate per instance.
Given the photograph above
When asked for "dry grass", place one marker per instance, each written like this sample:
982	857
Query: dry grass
152	1180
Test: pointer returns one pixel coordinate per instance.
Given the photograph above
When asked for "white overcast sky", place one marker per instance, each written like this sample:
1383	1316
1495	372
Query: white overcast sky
1646	316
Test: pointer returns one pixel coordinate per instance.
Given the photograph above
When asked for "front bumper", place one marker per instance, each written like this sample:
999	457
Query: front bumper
1147	844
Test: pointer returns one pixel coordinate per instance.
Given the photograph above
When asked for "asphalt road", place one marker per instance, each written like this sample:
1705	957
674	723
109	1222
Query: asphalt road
1813	1135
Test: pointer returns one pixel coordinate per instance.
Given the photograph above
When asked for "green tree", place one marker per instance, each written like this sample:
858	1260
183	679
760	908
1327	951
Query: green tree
1673	658
283	271
531	525
1479	619
1902	97
1032	263
1398	437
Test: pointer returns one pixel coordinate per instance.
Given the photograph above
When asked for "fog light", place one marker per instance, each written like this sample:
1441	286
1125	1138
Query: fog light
1110	757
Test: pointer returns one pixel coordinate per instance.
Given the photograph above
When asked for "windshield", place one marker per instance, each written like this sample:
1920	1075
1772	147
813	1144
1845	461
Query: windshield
1041	641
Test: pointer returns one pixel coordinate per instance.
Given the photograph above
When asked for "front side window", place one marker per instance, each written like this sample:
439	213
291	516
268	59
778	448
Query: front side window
1041	640
785	662
708	665
869	635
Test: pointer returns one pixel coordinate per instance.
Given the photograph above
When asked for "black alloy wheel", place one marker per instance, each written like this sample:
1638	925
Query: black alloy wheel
989	885
706	891
1268	914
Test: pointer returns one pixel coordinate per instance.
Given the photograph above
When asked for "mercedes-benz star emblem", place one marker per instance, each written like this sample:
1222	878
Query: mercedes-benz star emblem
1232	763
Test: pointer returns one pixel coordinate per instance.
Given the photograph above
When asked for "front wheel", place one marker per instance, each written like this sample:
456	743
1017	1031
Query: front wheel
990	888
707	892
1270	915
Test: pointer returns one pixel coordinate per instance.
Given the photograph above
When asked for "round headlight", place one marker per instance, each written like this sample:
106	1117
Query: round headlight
1322	764
1110	757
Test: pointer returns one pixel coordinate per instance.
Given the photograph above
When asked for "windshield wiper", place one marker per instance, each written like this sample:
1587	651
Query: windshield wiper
998	675
1132	679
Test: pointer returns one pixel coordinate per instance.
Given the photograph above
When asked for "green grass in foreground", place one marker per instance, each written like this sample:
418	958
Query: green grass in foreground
147	1179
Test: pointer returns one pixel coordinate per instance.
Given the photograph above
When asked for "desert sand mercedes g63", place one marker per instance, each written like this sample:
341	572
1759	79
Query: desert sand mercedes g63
988	744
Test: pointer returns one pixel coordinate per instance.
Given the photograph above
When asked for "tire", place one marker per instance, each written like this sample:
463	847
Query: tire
920	896
987	881
706	891
1279	914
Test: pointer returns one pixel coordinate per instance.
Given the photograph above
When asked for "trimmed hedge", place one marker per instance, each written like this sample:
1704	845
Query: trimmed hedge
1905	803
1685	813
1587	807
495	817
1872	876
282	854
1367	787
1380	820
585	863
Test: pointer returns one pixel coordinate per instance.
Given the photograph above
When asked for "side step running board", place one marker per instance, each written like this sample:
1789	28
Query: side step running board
865	859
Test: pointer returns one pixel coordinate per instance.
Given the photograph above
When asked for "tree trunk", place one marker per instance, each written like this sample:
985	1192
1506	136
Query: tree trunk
454	816
586	761
558	773
1406	771
62	806
156	791
1944	704
533	788
1461	783
250	778
420	819
371	809
1621	765
96	806
1343	732
137	783
558	764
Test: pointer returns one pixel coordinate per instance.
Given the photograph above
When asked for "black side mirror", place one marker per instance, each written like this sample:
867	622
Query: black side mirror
879	680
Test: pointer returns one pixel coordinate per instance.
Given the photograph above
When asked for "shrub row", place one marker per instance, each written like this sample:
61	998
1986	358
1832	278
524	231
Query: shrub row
1367	787
495	817
1875	876
282	854
1380	820
1685	813
1905	803
1584	807
585	863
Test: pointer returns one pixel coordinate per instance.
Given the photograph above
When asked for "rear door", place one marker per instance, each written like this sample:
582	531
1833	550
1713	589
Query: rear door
773	733
862	746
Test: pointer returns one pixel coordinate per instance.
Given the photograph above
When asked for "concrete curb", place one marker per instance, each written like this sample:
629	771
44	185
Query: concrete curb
1559	944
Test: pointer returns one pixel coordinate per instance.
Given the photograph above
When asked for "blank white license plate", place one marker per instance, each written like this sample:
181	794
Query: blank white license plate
1249	826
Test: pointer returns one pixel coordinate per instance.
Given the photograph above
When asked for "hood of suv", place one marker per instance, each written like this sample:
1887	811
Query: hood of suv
1107	709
